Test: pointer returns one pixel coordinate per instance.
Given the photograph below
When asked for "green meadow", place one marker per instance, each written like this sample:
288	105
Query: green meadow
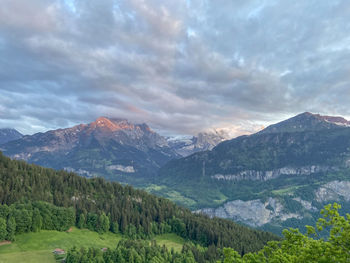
37	247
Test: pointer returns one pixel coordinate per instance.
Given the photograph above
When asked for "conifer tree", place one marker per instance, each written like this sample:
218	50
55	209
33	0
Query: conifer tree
37	220
81	221
11	228
3	230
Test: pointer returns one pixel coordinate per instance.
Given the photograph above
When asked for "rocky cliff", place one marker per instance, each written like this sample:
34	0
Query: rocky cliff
258	212
273	174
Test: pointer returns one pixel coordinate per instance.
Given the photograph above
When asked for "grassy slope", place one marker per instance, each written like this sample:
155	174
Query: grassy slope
170	241
38	247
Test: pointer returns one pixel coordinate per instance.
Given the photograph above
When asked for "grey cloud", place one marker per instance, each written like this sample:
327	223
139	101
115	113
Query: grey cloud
181	66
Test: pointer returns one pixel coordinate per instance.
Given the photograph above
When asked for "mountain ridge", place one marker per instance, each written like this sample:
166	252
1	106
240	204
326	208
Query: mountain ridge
109	147
307	121
283	171
114	146
9	134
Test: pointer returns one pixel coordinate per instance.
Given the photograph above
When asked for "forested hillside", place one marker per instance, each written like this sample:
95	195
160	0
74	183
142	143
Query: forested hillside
132	212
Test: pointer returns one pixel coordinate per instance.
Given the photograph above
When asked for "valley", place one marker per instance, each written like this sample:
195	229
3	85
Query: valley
187	131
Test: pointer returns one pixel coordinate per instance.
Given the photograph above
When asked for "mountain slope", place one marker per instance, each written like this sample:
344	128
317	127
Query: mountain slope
114	148
132	210
7	135
278	177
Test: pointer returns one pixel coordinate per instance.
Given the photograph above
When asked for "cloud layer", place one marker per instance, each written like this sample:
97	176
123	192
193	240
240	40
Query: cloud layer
182	66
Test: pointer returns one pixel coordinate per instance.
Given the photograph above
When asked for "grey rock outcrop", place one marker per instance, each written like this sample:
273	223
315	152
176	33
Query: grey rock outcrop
253	212
268	175
333	191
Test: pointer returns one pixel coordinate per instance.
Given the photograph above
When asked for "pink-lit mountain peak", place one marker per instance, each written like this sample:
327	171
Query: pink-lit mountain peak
104	123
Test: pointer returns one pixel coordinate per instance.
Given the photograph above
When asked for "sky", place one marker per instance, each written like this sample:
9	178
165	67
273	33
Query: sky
181	66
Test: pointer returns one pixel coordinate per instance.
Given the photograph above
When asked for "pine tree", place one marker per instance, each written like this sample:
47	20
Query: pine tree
3	230
37	221
81	221
103	223
11	228
115	227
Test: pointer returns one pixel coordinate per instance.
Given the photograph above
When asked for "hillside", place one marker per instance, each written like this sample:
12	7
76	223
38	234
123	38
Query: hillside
94	202
37	247
279	177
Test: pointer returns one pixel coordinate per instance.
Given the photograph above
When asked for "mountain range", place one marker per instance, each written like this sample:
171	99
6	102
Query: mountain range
112	148
276	178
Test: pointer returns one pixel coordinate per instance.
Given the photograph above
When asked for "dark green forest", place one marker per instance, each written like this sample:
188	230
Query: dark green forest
101	206
294	248
139	251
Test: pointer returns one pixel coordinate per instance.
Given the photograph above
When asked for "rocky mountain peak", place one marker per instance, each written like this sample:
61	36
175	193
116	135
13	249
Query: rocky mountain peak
307	122
105	123
8	134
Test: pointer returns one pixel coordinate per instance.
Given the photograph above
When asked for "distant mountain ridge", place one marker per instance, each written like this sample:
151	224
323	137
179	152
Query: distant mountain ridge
279	177
307	122
113	148
203	141
8	134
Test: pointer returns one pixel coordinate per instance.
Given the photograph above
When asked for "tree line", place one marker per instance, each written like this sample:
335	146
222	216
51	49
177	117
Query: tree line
32	217
140	251
294	248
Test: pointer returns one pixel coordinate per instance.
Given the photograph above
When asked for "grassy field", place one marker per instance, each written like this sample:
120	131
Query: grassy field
170	241
38	247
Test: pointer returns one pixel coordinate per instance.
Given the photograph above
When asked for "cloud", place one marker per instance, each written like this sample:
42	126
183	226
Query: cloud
181	66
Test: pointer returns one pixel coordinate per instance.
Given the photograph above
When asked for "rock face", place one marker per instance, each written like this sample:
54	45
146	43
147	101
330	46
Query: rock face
269	175
7	135
253	212
257	213
202	142
333	191
108	147
306	204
